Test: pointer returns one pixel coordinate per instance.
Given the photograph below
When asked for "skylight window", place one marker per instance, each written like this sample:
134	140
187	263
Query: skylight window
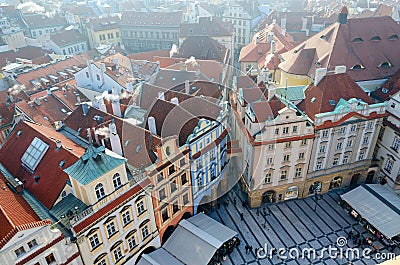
393	37
376	38
34	153
385	65
357	67
332	102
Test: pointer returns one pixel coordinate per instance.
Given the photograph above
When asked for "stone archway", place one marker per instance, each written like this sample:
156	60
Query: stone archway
315	187
370	177
268	196
167	233
354	180
336	182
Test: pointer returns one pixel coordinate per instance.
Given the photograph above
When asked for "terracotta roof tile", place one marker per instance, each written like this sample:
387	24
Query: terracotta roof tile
6	114
149	55
169	78
391	87
331	87
29	53
204	48
349	44
52	178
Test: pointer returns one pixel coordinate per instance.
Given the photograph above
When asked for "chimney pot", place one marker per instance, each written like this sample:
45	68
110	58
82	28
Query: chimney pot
152	125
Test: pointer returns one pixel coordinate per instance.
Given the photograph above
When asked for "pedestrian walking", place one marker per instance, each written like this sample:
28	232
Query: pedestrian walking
227	202
350	234
251	248
246	248
234	201
258	211
264	210
241	216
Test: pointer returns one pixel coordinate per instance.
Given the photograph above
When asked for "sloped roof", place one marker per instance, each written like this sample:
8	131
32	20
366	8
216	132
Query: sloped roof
41	21
67	37
266	110
7	112
255	52
212	27
93	164
49	187
98	24
203	48
367	42
391	87
28	52
15	213
331	87
169	78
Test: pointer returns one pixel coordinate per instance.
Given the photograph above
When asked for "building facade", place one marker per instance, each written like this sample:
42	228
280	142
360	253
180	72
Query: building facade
103	31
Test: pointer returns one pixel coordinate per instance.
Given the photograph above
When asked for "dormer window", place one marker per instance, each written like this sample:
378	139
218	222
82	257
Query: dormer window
357	67
356	40
323	37
100	193
376	38
393	37
385	65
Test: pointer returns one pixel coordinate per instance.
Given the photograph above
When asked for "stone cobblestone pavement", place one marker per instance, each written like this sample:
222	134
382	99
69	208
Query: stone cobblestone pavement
292	224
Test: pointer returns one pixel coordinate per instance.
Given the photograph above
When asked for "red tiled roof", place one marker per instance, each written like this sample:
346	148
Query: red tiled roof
67	37
264	110
349	44
52	69
69	95
6	114
52	178
29	53
391	87
245	81
98	24
149	95
169	78
103	212
148	56
383	10
331	87
15	213
253	52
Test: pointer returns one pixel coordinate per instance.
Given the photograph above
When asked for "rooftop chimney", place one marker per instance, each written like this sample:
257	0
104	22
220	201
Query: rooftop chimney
272	47
187	87
85	109
319	75
58	144
114	139
115	61
342	18
161	95
152	125
116	106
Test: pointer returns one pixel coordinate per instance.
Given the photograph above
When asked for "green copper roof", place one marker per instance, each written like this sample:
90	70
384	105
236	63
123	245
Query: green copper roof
93	164
291	93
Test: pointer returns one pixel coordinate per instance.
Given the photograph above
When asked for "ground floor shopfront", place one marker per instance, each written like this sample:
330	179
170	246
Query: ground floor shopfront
305	188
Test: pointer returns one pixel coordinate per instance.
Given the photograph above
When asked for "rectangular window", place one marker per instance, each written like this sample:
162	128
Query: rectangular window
345	159
286	158
271	147
270	160
301	156
50	259
161	194
285	130
34	153
160	177
365	140
325	134
117	254
145	232
126	217
396	144
184	179
268	178
171	170
19	251
32	243
173	186
342	130
140	207
111	229
288	144
389	165
319	165
94	241
339	146
336	161
276	131
353	128
370	125
165	215
361	155
131	242
349	143
297	173
295	129
283	175
98	77
322	149
304	142
182	162
185	199
175	208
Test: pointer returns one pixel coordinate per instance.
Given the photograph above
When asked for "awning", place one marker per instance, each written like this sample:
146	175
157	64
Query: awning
196	239
193	242
377	204
159	257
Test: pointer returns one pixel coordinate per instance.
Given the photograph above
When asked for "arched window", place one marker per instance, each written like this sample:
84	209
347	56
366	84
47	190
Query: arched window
357	40
117	181
99	189
393	37
376	38
357	67
385	65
